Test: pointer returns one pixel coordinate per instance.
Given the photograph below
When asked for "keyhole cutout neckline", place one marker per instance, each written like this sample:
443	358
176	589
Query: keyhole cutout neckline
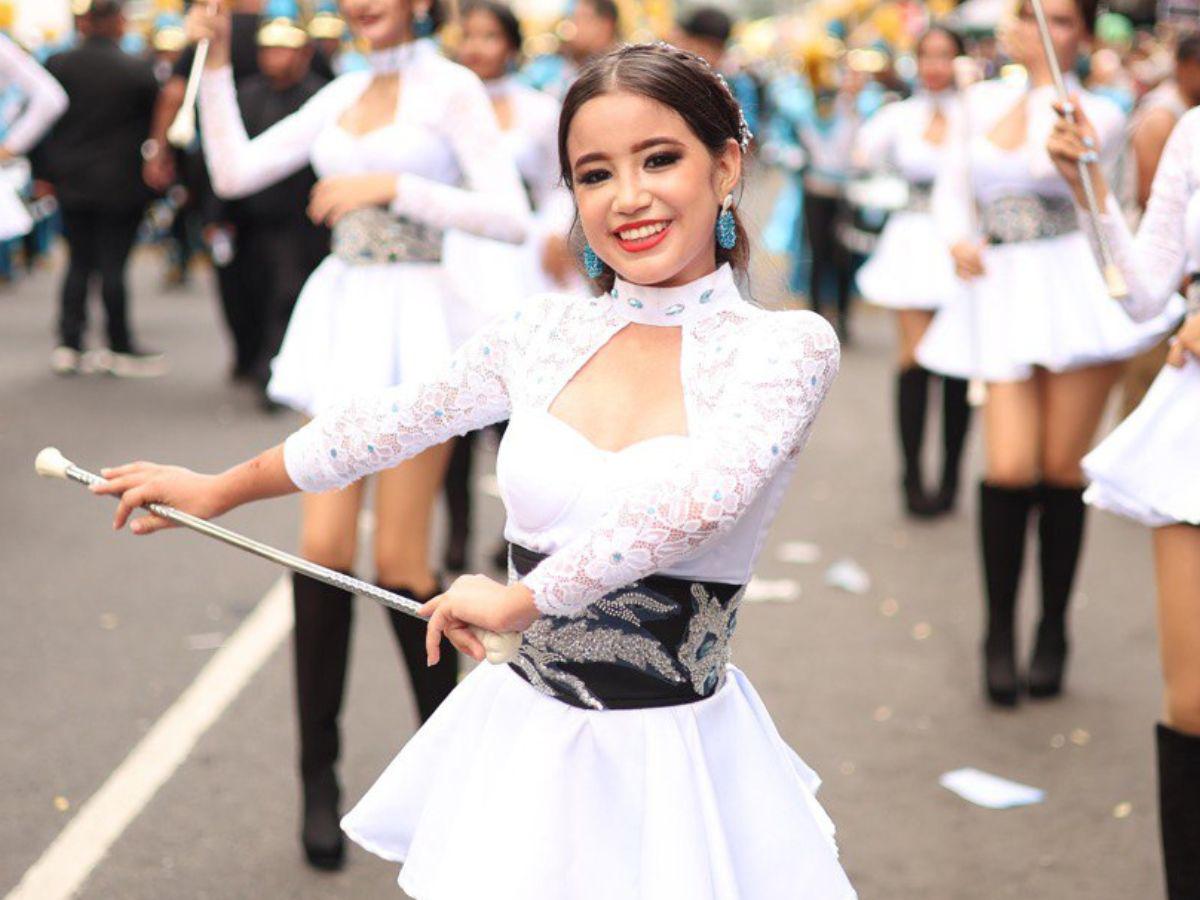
391	62
672	307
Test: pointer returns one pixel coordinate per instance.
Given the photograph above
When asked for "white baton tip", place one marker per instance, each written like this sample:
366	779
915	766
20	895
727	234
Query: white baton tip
499	648
51	464
183	130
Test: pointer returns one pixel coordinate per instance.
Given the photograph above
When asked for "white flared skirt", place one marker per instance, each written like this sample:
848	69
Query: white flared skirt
910	267
1040	303
1148	469
508	794
358	328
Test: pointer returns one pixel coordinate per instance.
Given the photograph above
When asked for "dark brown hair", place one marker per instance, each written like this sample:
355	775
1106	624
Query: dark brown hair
509	24
678	80
960	46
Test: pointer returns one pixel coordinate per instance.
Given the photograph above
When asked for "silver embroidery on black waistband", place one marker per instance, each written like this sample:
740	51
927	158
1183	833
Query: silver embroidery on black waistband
1027	217
373	236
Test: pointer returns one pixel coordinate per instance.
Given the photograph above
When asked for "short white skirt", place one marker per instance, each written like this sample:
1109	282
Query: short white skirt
1148	469
910	267
365	327
508	794
1041	303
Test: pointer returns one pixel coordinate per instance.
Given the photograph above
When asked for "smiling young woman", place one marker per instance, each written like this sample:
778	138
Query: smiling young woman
653	431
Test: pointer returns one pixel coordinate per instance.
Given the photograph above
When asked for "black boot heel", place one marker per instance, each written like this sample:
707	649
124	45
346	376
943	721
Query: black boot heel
1049	661
324	845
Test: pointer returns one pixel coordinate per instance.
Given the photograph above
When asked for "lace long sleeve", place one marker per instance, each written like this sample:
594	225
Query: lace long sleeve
492	204
1153	263
239	166
45	98
366	434
783	375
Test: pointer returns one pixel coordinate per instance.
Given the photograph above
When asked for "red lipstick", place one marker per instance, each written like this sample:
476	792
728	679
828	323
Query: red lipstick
639	245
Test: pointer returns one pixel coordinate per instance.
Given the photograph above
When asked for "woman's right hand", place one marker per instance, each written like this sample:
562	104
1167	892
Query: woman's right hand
968	259
140	483
208	22
1072	141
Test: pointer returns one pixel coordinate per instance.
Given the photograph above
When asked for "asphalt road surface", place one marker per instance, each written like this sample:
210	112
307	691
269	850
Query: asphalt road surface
878	691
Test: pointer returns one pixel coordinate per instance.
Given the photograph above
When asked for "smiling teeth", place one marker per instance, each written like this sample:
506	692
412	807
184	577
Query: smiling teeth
645	231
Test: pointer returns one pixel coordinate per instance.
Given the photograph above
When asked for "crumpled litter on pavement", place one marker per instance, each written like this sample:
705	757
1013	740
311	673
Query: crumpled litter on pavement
990	791
847	575
761	590
800	552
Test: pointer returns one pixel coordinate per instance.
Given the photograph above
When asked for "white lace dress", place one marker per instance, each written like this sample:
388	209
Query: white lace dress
491	276
910	267
358	326
45	101
1149	468
1041	302
508	793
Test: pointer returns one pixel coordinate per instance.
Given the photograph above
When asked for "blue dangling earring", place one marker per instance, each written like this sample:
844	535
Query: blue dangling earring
592	264
726	226
422	24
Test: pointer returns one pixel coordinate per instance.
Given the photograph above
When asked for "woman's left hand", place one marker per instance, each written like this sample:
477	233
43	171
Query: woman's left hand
1185	342
479	601
337	195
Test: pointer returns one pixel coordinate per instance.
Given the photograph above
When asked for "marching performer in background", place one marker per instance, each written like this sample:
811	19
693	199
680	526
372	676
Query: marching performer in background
491	48
1034	320
403	152
593	29
1148	469
32	102
654	429
910	270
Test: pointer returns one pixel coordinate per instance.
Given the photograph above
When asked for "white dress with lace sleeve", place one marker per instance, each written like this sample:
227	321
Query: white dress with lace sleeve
1041	301
1148	469
365	323
695	505
910	267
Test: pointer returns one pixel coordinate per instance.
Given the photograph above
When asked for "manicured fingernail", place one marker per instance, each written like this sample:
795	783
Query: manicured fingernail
1068	109
1090	157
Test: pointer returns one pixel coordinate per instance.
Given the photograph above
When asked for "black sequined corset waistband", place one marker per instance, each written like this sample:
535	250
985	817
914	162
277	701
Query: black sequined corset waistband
660	641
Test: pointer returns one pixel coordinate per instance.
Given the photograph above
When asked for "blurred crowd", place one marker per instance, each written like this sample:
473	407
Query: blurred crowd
806	80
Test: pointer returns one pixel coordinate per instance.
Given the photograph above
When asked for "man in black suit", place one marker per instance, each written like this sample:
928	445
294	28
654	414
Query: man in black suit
275	245
92	157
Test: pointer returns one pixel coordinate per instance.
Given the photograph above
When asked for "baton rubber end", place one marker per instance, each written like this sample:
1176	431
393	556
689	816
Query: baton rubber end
51	464
499	648
183	130
1115	282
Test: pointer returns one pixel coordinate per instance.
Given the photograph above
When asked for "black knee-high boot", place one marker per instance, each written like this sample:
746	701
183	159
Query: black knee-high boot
430	684
956	419
1179	811
1003	518
1060	533
321	650
457	490
912	400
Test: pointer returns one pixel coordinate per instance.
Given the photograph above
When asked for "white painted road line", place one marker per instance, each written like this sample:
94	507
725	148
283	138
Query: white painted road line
70	859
